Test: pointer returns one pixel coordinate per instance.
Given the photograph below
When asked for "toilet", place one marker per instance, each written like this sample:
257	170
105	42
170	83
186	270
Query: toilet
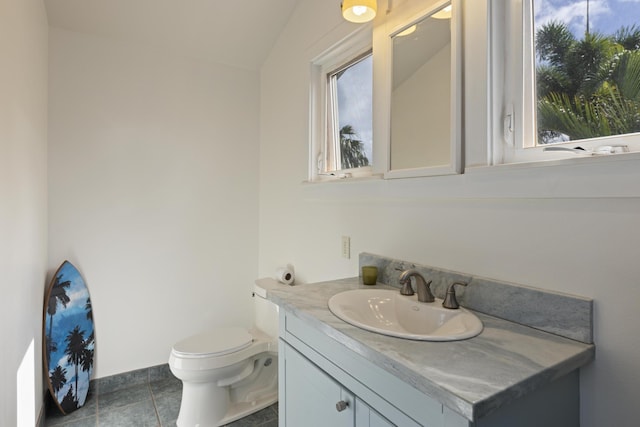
228	373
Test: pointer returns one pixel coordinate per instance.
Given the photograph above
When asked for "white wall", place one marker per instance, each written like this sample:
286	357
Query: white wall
23	202
573	229
153	192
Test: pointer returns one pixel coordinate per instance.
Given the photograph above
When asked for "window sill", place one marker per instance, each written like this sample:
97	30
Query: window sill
570	160
611	177
336	179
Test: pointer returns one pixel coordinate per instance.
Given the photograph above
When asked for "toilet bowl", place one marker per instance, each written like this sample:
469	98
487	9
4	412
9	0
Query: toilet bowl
228	373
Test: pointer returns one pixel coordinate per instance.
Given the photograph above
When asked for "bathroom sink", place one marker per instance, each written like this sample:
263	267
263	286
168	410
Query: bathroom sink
387	312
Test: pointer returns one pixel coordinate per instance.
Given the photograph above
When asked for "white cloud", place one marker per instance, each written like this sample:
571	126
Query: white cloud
571	12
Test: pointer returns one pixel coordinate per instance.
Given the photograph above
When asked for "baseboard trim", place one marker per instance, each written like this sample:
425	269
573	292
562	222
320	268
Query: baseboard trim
131	378
40	420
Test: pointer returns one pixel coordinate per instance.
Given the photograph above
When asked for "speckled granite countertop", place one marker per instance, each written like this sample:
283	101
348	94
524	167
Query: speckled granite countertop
472	377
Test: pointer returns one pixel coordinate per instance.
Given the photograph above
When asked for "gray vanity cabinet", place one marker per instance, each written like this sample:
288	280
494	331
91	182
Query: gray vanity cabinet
324	383
320	391
315	399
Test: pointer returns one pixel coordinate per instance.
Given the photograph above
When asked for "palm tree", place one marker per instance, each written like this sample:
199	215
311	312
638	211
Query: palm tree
628	37
58	294
69	402
626	76
86	361
351	149
58	378
75	347
587	88
553	41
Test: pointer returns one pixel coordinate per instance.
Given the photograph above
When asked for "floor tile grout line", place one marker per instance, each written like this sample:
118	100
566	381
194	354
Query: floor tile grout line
153	402
97	406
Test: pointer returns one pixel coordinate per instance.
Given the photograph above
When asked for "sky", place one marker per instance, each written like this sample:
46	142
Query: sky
605	16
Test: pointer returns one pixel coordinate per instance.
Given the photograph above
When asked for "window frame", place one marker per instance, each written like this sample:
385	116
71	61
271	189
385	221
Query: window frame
332	144
341	55
513	84
400	20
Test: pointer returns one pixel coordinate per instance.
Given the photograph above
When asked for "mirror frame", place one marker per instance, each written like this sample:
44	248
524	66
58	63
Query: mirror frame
397	21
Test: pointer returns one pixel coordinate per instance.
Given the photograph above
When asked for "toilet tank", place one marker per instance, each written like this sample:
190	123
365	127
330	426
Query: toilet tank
266	312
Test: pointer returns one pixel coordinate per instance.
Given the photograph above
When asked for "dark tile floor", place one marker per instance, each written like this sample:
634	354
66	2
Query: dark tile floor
152	404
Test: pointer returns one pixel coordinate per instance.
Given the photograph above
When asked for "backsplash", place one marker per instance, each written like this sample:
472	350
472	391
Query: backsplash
566	315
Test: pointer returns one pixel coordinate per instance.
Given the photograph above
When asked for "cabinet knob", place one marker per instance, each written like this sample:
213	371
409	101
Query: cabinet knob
341	406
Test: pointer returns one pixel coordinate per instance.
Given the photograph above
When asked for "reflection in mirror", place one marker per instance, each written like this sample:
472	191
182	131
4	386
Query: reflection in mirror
421	94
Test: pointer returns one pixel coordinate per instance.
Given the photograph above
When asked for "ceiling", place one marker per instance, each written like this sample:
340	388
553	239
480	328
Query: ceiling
232	32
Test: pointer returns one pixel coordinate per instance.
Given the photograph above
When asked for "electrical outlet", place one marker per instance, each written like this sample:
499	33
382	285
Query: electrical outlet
346	247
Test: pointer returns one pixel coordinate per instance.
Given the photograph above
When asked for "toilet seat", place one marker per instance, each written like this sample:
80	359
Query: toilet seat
215	342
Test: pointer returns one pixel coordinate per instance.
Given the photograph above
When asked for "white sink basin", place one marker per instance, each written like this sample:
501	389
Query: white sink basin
387	312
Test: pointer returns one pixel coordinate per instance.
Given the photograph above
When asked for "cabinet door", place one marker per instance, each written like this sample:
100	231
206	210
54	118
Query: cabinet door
368	417
312	395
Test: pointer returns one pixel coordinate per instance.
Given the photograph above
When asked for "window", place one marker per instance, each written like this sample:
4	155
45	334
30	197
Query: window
342	110
571	82
349	115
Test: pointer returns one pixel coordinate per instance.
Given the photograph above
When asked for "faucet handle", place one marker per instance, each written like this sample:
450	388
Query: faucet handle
450	300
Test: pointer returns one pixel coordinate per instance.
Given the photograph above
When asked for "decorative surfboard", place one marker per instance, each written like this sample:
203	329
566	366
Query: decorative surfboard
68	338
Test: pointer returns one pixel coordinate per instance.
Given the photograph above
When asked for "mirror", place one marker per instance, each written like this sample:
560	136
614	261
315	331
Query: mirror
423	103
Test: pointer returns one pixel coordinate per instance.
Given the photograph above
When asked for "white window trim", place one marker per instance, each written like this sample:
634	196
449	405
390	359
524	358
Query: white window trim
398	20
345	51
332	156
513	84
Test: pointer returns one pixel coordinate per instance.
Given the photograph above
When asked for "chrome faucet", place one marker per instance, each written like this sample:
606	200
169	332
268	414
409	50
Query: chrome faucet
423	287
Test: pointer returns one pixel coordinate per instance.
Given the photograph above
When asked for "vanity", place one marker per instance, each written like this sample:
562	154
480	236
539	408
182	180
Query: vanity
334	374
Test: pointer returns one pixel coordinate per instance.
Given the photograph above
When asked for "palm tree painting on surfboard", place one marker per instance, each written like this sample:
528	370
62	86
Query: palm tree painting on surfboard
69	338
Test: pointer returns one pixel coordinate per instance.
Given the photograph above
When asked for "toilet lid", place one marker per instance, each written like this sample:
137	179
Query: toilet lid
216	342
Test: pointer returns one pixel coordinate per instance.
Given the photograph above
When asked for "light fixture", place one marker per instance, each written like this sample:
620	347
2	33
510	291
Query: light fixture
444	13
410	30
359	11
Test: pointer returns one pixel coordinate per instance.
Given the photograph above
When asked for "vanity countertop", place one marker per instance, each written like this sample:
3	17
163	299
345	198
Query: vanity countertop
472	377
